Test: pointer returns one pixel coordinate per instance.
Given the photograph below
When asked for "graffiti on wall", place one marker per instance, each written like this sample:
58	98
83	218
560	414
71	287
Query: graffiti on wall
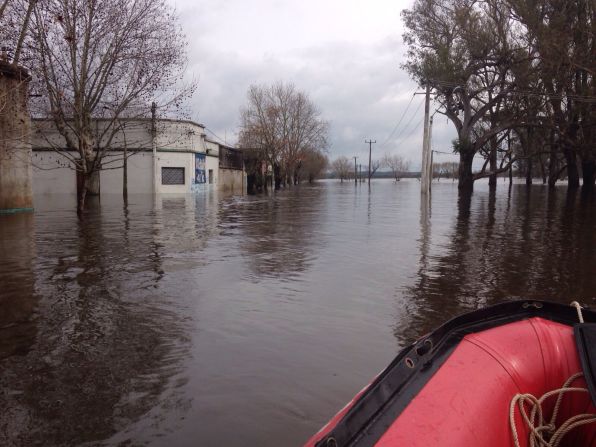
200	168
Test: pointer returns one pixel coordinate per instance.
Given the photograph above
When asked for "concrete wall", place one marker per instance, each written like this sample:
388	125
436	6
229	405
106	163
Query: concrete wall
211	148
134	133
231	180
139	172
52	174
15	147
212	163
176	160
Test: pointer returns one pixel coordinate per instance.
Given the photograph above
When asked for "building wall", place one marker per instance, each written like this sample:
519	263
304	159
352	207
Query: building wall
231	180
175	160
134	133
212	163
139	173
177	143
52	174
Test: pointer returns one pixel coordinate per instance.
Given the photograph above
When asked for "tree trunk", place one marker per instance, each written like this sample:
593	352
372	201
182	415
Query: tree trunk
542	169
529	171
466	177
277	178
572	172
81	196
87	185
553	169
492	180
125	175
83	189
588	174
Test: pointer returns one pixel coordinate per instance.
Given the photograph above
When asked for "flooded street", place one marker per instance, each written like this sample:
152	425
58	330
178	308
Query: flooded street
213	320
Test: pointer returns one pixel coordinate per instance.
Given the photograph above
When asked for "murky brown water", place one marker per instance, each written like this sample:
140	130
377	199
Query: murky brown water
240	321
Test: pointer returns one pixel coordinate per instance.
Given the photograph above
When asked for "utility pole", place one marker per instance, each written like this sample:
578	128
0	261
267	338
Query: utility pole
360	176
355	172
424	174
154	146
370	143
430	159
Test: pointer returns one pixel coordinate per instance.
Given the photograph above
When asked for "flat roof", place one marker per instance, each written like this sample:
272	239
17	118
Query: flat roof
170	120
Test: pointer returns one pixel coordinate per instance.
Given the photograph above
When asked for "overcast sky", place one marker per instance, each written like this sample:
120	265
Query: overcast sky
345	54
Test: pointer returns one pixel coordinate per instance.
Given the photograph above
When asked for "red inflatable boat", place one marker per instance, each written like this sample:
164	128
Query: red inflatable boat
477	381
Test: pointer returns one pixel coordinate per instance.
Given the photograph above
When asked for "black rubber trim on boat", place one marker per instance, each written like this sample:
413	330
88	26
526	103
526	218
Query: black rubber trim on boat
391	392
585	339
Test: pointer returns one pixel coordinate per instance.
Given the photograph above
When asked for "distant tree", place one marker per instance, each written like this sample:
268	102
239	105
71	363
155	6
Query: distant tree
397	164
342	168
374	167
313	165
448	169
105	59
284	125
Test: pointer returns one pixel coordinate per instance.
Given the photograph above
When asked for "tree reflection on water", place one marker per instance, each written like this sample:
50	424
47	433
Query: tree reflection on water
106	345
530	243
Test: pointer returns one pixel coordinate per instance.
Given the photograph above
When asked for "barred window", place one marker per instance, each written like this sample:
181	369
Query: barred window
172	176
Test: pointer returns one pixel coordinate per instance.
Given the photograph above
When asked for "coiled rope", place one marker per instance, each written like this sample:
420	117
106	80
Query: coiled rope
544	433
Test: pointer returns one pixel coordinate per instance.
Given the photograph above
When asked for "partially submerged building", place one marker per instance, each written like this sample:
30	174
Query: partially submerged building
179	159
15	147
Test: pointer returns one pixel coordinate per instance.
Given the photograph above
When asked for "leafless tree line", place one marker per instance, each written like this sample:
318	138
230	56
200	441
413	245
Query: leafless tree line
344	169
446	169
397	165
516	79
286	133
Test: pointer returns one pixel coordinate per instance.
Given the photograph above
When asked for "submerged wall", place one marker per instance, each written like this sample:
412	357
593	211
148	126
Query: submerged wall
15	145
231	180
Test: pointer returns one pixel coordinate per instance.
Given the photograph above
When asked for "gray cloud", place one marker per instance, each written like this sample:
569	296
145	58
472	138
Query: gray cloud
348	65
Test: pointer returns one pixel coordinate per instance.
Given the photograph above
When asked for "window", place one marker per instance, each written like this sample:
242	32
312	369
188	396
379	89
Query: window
172	176
211	176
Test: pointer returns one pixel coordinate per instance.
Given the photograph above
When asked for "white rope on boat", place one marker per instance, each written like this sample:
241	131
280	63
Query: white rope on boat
578	307
545	433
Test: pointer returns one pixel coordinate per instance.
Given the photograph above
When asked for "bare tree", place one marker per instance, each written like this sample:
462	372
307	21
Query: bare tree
15	16
342	168
284	125
312	166
103	59
447	169
397	164
374	167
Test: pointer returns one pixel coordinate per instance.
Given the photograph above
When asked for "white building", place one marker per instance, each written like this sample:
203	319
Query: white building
184	161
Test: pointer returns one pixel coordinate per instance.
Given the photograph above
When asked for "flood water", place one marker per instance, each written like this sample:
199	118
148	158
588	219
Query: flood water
237	321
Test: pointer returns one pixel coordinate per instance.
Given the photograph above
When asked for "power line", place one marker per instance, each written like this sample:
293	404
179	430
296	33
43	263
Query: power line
397	138
216	136
400	120
410	133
